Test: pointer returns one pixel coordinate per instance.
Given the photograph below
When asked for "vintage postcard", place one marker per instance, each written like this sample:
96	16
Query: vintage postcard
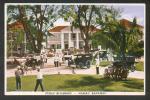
74	49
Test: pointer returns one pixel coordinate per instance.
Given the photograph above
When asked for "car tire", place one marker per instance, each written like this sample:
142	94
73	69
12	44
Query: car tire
80	64
132	68
88	64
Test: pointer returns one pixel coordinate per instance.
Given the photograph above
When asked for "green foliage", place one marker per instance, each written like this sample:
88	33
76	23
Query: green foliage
86	16
15	37
121	39
136	50
139	66
100	38
36	20
105	63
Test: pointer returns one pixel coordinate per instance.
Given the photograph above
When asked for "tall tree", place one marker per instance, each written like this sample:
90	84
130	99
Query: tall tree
36	19
107	36
86	18
122	37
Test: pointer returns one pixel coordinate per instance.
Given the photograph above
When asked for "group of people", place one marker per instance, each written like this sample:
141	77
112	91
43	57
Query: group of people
57	59
19	74
57	62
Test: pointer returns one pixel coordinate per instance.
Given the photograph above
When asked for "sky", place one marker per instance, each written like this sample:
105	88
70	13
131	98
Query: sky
129	12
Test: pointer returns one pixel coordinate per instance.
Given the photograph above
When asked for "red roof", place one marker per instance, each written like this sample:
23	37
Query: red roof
127	23
16	25
57	29
19	25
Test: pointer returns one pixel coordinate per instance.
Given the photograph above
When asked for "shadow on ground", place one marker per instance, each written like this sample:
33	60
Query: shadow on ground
136	84
87	81
91	83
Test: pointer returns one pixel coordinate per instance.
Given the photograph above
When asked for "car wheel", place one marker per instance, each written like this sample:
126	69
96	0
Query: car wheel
132	68
80	64
88	64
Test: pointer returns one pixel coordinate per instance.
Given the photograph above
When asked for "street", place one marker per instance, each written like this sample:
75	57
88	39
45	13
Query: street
63	69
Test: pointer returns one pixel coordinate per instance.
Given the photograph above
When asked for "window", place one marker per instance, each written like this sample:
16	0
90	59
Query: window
58	46
73	36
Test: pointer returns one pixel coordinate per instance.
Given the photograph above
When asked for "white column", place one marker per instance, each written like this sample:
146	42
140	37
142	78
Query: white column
77	40
62	40
69	40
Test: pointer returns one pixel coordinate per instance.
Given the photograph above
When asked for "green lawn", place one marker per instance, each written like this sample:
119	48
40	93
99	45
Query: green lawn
78	83
105	63
139	66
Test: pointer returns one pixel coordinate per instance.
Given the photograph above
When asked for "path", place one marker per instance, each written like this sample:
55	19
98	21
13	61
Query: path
50	69
66	70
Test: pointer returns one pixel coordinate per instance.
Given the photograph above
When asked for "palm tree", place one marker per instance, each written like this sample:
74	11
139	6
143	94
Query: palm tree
119	37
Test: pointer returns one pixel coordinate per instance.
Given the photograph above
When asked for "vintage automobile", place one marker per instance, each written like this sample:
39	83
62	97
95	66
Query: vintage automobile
67	55
83	60
103	54
34	60
130	62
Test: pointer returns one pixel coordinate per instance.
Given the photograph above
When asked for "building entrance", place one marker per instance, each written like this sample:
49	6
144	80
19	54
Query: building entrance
66	46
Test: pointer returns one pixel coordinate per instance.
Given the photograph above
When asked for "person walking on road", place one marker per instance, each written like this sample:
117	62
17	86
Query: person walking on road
39	80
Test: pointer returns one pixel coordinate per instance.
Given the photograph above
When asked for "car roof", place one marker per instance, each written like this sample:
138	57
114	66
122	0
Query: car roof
82	54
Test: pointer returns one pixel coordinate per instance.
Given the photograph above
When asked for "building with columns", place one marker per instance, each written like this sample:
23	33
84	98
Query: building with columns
64	38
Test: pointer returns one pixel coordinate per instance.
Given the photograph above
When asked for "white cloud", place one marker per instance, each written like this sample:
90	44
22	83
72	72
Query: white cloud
61	22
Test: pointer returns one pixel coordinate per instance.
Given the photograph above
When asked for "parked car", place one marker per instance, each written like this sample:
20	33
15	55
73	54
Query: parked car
83	60
67	55
130	62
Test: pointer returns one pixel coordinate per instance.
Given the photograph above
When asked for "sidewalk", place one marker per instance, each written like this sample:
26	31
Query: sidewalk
66	70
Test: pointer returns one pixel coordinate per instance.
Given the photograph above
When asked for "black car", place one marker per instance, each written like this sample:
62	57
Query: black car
83	60
130	62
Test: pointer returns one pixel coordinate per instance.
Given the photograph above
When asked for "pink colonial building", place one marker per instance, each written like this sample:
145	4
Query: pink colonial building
64	38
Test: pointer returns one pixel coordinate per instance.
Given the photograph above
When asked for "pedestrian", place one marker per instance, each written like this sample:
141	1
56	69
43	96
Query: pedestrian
18	74
97	64
45	58
56	60
60	59
42	60
66	62
39	80
22	68
73	65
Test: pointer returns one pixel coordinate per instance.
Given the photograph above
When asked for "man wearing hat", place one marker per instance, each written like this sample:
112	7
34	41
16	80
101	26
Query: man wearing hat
18	78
